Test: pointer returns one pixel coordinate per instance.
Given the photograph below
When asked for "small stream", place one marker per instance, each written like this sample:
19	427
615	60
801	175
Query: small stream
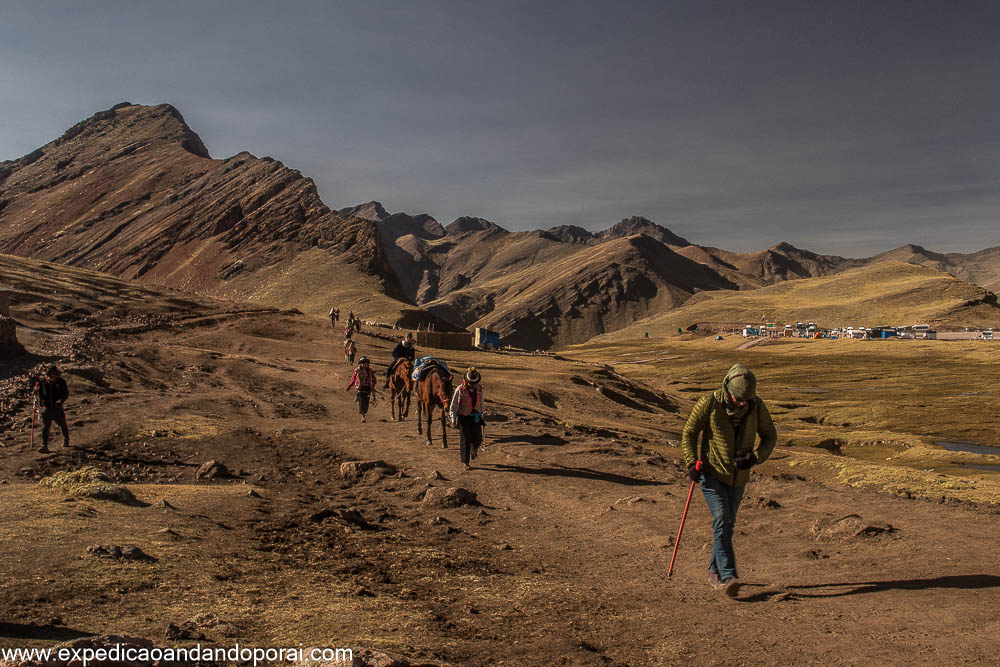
963	446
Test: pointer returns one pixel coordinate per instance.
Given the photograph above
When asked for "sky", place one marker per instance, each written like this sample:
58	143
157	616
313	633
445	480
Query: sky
841	127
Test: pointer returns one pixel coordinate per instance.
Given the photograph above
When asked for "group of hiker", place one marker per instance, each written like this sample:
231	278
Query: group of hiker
719	440
465	411
353	324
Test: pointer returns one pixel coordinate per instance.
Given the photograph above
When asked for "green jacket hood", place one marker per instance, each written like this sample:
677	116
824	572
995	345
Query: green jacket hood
740	382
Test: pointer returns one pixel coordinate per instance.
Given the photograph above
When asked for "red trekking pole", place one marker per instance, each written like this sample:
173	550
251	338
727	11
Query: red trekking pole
677	542
34	411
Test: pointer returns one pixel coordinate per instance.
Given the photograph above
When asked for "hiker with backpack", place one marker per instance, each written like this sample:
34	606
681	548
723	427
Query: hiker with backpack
364	379
720	434
350	349
52	393
466	412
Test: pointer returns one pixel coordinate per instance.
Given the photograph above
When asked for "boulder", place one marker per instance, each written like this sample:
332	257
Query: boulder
357	469
212	470
451	497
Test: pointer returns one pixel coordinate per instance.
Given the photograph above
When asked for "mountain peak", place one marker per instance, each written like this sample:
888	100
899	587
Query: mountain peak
468	223
569	234
640	225
373	211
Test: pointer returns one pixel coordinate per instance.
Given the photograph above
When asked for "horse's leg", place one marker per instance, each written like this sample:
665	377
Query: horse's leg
392	403
430	415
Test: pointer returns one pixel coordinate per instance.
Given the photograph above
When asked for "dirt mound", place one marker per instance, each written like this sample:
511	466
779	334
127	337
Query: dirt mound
849	527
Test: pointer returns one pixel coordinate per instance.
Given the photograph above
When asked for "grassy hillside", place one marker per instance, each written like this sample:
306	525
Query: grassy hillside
883	293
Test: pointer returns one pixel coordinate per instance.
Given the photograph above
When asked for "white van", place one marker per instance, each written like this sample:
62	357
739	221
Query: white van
917	328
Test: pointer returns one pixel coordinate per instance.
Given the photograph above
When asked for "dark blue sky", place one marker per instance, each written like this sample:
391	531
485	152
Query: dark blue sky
843	127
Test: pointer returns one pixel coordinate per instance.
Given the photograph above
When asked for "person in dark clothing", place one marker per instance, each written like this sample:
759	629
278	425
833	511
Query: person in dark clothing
52	394
404	350
466	412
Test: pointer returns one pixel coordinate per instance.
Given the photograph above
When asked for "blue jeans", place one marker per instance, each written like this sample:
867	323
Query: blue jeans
723	501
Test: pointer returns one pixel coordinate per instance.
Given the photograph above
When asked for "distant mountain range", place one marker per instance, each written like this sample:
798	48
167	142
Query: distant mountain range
132	191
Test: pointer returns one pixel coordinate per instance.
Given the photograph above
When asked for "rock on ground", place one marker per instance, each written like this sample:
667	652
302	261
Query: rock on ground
451	497
213	470
128	552
357	469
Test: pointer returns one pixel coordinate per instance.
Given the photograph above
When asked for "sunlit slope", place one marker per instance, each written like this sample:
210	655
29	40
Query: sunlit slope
889	293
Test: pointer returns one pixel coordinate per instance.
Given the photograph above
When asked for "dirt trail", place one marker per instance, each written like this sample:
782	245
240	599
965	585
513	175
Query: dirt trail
566	563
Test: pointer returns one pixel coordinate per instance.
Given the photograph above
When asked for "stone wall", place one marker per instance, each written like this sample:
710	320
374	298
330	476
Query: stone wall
9	346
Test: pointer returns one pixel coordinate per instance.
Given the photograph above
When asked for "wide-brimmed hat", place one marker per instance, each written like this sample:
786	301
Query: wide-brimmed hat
473	376
363	360
52	369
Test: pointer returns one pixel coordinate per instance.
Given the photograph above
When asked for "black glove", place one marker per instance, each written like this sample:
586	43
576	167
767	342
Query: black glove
693	473
745	460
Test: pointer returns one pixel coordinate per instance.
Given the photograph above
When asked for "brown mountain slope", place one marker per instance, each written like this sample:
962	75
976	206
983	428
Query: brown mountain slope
538	288
981	268
133	192
599	288
881	293
766	267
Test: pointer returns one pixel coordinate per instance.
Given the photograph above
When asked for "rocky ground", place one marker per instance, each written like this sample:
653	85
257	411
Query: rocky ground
555	553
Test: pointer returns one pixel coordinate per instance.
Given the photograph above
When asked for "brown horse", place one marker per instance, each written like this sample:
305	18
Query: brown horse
434	390
401	388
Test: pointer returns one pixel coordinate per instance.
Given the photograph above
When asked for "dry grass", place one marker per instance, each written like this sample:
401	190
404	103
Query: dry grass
89	482
875	407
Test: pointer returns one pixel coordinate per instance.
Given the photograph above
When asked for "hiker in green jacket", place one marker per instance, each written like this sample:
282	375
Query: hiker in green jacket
726	424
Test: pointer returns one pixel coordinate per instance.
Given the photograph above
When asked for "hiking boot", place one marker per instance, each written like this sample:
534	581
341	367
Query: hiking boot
43	450
468	467
714	581
731	587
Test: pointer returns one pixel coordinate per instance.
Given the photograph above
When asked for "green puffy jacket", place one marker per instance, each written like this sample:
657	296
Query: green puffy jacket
710	425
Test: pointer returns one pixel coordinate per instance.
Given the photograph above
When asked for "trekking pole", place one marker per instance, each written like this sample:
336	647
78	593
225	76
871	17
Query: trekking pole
677	542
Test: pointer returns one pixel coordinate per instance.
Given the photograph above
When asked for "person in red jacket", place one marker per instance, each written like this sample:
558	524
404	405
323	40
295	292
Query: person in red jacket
466	412
364	379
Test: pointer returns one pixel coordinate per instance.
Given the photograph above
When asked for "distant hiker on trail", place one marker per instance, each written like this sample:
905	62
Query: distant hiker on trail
725	424
466	412
404	350
333	317
364	379
52	393
350	349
